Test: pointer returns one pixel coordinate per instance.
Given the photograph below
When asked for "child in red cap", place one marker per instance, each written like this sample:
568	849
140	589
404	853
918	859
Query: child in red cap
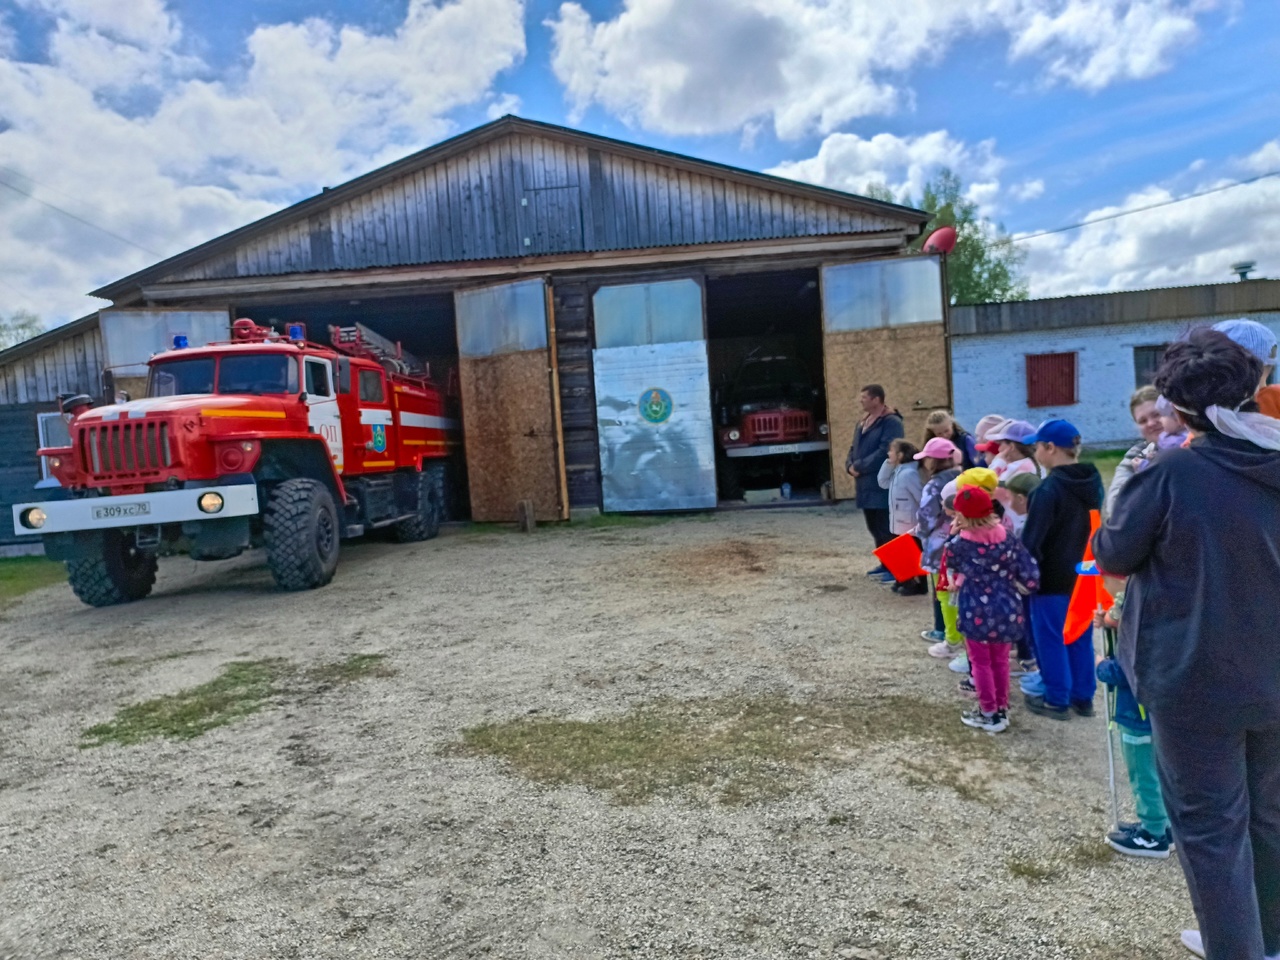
993	571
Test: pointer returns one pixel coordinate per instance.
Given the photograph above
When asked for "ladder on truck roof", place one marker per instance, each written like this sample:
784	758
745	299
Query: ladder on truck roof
358	340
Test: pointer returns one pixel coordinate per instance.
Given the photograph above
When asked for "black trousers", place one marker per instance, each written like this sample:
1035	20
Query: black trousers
878	525
1222	788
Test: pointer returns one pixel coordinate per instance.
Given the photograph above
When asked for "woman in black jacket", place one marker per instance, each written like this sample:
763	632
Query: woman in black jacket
1198	535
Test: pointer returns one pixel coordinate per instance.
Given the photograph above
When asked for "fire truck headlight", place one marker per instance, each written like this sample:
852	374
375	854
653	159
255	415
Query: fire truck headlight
734	435
33	518
824	429
210	502
55	463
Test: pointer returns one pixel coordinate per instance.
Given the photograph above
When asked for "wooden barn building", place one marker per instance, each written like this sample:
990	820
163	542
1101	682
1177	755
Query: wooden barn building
566	277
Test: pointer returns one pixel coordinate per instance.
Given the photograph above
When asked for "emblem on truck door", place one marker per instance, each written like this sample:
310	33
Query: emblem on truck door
656	405
379	438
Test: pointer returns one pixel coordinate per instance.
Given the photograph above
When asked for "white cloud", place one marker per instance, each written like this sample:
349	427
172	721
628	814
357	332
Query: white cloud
125	129
1028	190
849	162
715	65
507	103
1195	241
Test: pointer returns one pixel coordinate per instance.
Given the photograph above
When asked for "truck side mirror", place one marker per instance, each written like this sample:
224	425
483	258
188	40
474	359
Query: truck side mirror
302	397
344	375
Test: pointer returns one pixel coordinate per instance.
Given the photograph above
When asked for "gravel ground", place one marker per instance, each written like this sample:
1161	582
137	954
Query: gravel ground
336	823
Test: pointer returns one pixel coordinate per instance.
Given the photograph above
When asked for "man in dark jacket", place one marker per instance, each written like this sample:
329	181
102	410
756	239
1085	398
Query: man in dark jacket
879	427
1198	535
1056	533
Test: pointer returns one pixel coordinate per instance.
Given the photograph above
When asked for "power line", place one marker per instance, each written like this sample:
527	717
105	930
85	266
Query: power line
1150	206
78	219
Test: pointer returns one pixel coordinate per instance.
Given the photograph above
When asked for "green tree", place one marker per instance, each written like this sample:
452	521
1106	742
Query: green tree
985	266
18	326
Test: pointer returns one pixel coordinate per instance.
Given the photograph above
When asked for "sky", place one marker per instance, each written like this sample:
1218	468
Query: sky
131	130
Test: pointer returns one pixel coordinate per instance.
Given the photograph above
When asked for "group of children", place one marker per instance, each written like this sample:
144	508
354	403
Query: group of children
1002	519
1002	528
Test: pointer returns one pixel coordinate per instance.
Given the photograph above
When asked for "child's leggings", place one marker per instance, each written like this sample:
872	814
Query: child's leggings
1140	761
950	619
989	668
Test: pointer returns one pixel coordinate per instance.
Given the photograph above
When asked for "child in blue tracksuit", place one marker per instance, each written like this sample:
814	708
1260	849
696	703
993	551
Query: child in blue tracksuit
1150	836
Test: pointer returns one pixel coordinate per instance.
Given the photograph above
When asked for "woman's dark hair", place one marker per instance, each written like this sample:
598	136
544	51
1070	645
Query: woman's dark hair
1207	369
906	449
1028	453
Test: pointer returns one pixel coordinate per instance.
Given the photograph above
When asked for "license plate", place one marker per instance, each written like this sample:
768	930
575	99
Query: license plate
785	448
118	510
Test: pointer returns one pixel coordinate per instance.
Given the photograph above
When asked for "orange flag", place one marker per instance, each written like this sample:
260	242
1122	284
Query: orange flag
1090	592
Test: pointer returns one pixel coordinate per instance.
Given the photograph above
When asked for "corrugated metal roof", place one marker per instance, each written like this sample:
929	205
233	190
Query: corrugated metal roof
1129	306
515	188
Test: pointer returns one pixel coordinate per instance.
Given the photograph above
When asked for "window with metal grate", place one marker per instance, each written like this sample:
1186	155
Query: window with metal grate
1051	379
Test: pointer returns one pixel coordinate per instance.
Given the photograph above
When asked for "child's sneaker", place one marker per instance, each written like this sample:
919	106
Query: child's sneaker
966	687
1037	705
1032	685
1192	940
1024	668
932	636
960	664
997	722
943	650
1139	843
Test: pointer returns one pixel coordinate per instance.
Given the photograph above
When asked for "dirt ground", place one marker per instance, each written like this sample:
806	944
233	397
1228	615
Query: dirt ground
350	819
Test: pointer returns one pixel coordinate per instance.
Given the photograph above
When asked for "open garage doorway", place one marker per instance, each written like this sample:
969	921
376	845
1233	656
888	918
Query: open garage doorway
424	325
764	344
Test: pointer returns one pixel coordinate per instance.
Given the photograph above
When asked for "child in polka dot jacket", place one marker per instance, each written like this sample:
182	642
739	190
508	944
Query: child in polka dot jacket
993	571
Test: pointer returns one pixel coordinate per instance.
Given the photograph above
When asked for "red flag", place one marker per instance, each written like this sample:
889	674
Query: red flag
901	557
1090	592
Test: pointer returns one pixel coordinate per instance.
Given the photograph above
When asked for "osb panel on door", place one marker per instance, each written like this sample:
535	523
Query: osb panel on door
910	362
510	435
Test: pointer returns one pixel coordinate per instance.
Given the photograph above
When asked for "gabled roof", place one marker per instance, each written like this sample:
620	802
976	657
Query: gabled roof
49	337
332	198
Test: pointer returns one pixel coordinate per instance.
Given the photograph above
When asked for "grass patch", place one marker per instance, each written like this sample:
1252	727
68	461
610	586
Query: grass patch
1106	461
733	751
243	688
19	575
1030	870
353	668
1091	853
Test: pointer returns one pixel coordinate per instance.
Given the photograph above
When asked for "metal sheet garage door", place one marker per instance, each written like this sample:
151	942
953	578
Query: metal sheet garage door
653	397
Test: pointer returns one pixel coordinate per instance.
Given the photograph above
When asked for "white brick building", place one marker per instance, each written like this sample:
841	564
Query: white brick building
1081	357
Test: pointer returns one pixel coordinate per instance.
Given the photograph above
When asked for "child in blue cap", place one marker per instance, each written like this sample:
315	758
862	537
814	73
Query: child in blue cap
1056	533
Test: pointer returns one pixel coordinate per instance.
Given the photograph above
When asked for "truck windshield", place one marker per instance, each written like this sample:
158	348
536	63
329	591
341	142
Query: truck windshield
177	377
765	379
247	373
258	373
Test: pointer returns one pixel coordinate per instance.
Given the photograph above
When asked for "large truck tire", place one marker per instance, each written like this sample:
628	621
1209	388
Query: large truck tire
302	534
729	475
121	575
425	524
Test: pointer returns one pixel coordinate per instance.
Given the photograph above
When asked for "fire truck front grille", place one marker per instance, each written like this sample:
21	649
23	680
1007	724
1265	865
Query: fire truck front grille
126	449
788	426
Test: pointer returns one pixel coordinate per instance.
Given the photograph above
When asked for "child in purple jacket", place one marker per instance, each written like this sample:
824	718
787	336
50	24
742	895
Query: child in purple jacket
993	571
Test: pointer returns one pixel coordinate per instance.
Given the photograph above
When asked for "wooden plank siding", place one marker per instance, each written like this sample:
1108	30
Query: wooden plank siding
526	195
69	365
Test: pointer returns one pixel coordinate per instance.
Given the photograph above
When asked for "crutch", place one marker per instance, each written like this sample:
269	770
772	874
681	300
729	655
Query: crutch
1109	645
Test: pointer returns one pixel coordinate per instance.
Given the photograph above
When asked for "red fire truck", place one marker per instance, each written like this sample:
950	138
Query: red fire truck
265	440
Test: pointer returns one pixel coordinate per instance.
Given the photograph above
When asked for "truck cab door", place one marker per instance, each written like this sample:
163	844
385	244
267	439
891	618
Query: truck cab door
376	426
322	406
